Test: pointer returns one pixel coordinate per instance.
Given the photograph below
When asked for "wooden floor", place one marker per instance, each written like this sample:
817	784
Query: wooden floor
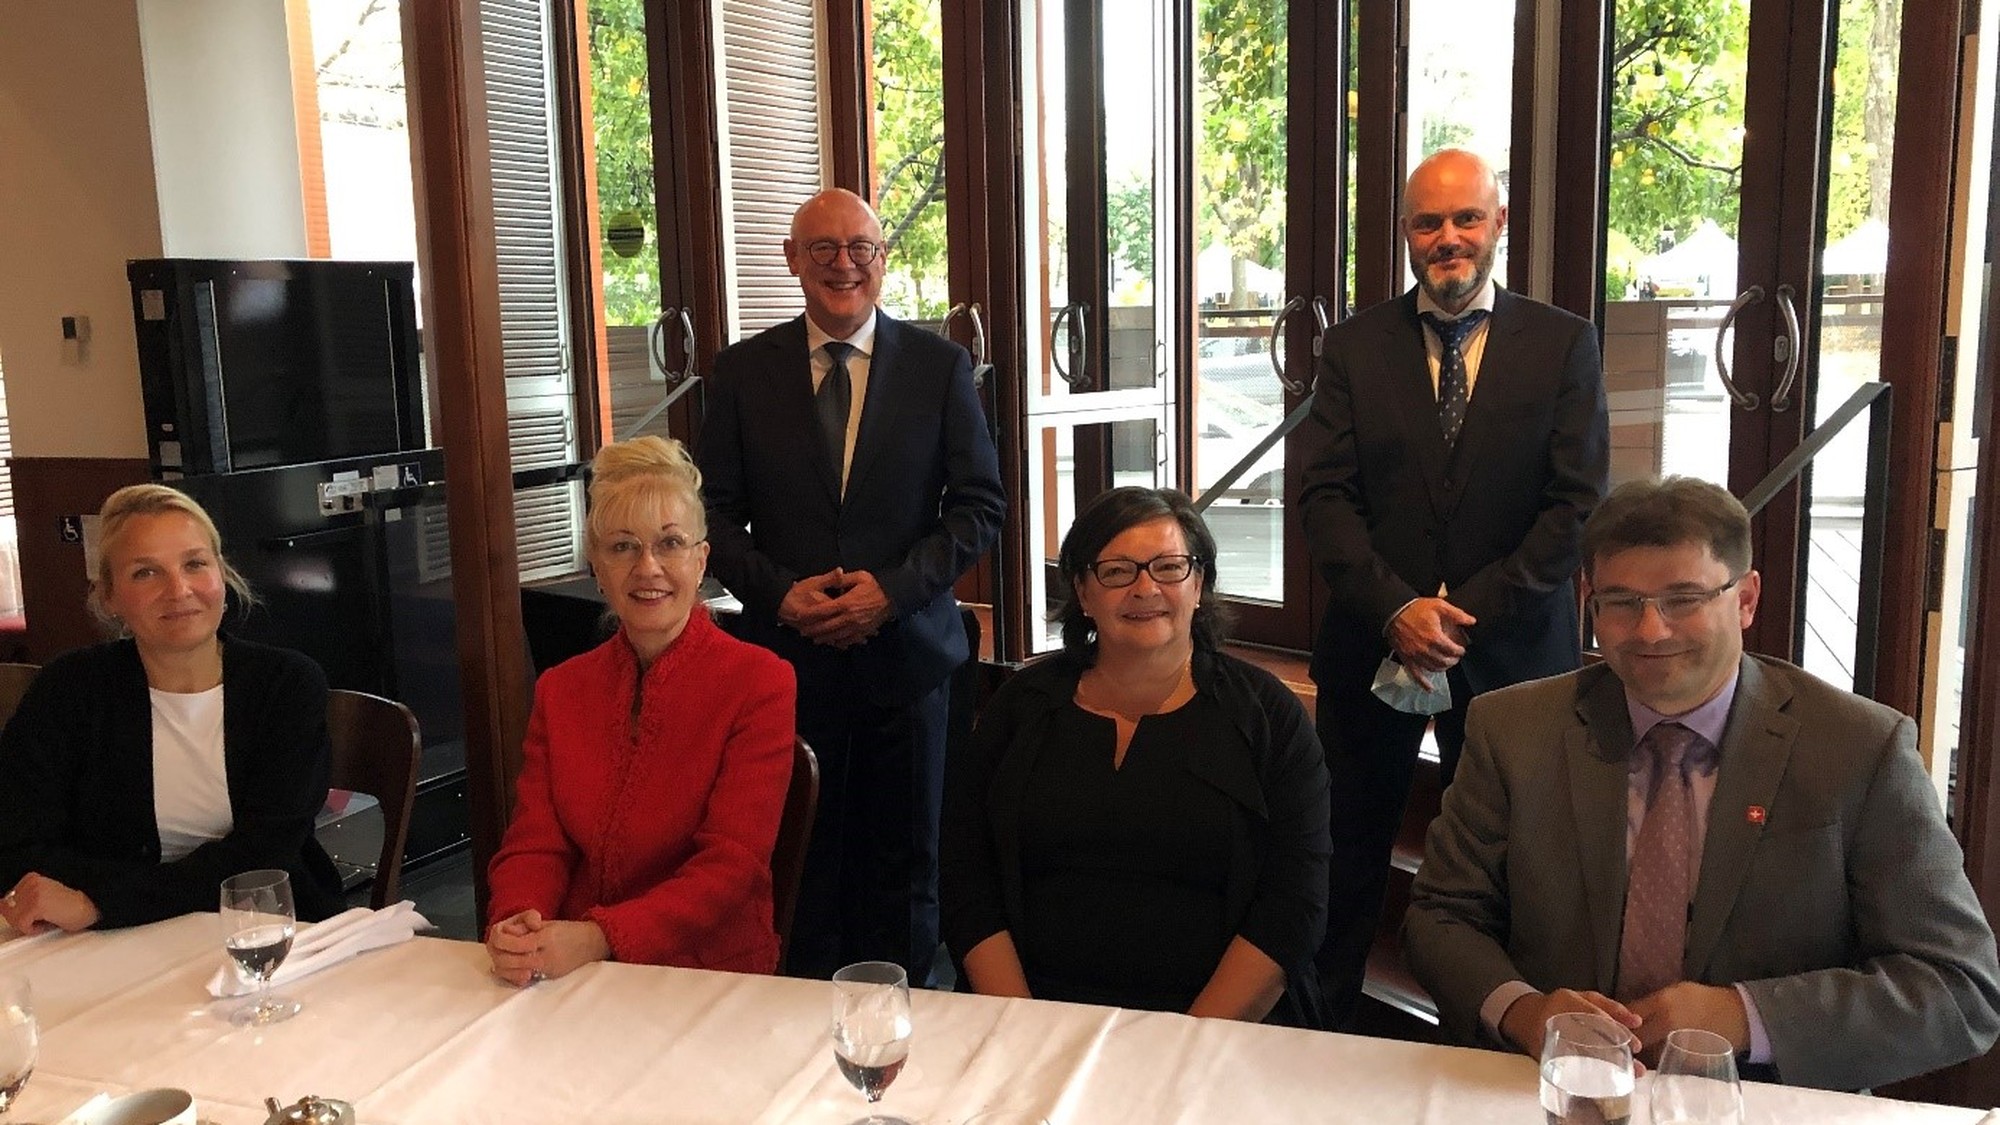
1833	584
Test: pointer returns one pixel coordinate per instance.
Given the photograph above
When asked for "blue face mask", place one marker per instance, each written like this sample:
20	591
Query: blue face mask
1395	686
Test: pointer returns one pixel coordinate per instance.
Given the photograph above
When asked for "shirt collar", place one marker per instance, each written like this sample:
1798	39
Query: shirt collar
1482	300
863	339
1707	720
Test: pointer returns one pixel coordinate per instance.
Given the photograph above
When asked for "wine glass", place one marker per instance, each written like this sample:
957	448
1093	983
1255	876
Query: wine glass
871	1028
257	923
18	1038
1586	1070
1696	1082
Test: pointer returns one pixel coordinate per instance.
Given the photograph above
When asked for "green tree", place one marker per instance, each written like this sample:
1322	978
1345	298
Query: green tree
1240	104
622	115
909	150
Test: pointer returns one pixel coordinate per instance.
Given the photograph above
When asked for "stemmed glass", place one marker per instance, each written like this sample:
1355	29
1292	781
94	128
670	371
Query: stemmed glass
1696	1083
257	923
18	1038
1586	1070
871	1028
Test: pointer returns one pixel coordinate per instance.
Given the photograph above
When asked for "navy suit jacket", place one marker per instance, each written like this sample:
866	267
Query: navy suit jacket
923	497
1391	512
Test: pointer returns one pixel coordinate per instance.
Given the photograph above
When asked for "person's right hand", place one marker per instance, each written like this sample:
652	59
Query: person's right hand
808	595
515	944
1526	1020
1429	636
38	903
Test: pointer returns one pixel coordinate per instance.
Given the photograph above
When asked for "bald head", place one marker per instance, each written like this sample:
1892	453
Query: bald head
1452	221
832	234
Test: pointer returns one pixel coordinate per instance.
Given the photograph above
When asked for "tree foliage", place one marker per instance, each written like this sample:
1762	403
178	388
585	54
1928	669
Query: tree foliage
1676	142
623	121
909	152
1240	107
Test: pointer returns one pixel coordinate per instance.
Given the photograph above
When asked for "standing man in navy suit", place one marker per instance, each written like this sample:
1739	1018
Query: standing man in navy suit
1457	441
850	480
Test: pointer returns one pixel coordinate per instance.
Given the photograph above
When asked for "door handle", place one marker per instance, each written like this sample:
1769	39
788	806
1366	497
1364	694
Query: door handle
1071	314
1745	399
656	344
971	311
687	344
1292	386
1787	349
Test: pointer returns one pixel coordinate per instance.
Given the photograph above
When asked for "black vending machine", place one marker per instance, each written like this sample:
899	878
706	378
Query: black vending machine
287	397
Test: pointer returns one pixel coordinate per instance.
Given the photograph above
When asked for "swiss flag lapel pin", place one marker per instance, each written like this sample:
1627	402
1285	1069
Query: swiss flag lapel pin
1755	814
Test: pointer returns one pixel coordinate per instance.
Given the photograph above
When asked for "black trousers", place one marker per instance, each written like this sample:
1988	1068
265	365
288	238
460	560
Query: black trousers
1371	753
870	887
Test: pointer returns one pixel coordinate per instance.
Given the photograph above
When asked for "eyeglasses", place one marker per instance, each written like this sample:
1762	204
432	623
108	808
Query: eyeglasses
860	251
1167	570
626	550
1625	610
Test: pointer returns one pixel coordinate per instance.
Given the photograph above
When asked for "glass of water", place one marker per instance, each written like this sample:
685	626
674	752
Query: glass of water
257	924
19	1038
1696	1083
871	1028
1586	1070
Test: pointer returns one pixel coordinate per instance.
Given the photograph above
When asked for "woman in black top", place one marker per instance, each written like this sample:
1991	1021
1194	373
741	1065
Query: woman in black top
1141	820
138	774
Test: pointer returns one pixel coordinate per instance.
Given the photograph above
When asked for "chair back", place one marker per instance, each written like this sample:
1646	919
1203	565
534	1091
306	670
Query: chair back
788	859
376	746
14	681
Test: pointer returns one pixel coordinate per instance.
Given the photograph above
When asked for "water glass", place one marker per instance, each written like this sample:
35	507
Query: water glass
19	1038
871	1028
1696	1083
1586	1070
257	924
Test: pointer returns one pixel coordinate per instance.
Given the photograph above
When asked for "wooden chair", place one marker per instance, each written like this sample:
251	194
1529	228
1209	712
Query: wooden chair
376	744
788	859
14	681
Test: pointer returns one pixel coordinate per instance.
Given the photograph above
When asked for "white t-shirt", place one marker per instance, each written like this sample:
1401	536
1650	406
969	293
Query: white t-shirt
190	786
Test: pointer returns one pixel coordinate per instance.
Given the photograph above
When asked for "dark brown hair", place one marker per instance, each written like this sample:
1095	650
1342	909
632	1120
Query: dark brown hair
1109	516
1667	513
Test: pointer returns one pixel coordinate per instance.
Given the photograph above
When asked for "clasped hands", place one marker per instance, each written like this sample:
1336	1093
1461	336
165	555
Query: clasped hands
38	903
840	608
1429	637
1715	1008
526	947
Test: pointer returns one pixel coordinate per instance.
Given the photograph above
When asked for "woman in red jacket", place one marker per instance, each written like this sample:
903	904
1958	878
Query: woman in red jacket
655	767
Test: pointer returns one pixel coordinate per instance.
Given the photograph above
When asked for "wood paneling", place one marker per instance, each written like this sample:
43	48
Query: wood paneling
53	583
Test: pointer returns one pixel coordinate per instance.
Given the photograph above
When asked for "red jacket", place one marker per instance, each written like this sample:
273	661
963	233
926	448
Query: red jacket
663	840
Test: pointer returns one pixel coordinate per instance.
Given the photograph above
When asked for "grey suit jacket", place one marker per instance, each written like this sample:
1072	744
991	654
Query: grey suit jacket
1830	887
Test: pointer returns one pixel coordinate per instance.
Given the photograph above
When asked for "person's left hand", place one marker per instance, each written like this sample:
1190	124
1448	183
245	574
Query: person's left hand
851	618
39	903
525	947
1716	1008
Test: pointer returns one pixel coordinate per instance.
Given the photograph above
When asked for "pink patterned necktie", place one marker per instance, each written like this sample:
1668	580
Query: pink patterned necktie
1657	886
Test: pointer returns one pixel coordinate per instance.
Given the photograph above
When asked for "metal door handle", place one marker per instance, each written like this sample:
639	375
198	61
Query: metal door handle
1746	399
1787	349
656	343
978	334
1292	386
1071	314
687	344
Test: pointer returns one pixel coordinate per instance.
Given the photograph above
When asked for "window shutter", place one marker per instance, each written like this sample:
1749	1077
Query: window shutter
771	149
541	404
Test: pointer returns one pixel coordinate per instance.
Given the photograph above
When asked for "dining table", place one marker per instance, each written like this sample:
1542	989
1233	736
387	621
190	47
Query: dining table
422	1033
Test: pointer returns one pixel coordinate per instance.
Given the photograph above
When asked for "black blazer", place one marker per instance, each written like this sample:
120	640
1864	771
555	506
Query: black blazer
923	498
76	784
1390	512
1269	764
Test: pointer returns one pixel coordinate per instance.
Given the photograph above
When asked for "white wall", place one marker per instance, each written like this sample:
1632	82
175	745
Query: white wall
225	142
76	200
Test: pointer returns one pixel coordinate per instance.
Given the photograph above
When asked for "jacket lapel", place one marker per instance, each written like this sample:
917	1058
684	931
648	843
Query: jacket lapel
874	431
791	404
1598	751
1756	750
1409	370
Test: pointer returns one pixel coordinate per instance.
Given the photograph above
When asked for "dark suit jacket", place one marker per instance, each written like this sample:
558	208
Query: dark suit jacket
923	498
76	784
1843	909
1390	512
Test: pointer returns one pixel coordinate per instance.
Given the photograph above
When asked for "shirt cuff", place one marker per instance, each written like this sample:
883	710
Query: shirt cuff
1760	1043
1399	612
1497	1003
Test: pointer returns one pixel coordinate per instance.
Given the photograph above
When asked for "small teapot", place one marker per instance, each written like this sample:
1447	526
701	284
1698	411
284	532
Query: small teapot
310	1110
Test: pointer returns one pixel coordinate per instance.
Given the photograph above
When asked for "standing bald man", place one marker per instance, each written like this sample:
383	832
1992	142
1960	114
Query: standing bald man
850	480
1457	441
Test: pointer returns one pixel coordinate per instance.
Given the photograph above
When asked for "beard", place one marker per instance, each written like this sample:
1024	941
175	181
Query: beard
1452	292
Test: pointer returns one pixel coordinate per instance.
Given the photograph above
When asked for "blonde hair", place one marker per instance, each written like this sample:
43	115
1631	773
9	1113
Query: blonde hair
642	471
133	501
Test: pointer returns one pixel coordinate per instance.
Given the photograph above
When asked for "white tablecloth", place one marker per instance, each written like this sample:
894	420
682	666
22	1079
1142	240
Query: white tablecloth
421	1034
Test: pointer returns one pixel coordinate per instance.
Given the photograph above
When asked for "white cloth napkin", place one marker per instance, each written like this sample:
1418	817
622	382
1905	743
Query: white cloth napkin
337	939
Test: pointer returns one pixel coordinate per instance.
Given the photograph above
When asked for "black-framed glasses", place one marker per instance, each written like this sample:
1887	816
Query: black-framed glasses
1626	610
861	251
625	550
1167	570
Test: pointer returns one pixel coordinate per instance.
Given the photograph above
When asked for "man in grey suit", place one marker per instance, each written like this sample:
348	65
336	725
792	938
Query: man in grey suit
1792	884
